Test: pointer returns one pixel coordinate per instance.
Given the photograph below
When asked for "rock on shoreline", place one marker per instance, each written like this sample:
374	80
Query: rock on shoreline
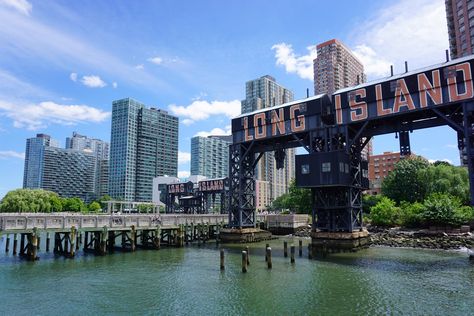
397	237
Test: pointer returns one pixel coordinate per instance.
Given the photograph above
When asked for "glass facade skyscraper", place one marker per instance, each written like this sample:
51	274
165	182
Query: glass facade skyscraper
68	172
100	150
34	158
210	156
262	93
144	145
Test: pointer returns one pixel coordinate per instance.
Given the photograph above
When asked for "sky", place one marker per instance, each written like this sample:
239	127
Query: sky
62	63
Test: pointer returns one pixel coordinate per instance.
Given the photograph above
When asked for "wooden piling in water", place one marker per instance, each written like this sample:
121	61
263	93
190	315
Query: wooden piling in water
247	250
72	237
7	244
266	247
15	244
300	248
39	242
222	259
269	257
292	252
77	240
48	240
22	244
310	251
86	240
103	240
244	261
285	249
132	238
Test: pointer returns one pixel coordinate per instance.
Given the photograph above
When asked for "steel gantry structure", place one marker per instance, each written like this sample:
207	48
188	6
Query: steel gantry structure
334	130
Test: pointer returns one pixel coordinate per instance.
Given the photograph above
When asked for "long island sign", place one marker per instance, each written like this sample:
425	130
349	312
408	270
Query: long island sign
414	91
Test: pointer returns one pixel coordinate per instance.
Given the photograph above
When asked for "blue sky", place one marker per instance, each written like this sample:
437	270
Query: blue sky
62	63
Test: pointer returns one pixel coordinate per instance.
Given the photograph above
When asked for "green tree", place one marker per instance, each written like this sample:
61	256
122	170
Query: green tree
299	199
73	204
445	178
94	207
369	201
385	213
281	202
405	182
445	209
28	200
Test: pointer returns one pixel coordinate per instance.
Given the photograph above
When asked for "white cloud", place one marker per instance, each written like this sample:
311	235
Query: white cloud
115	85
216	132
14	87
201	110
34	116
300	65
187	122
6	154
183	157
415	31
73	76
391	37
374	65
183	174
21	6
155	60
40	40
139	67
93	81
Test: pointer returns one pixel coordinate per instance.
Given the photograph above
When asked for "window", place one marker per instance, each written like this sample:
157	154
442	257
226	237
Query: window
326	167
304	169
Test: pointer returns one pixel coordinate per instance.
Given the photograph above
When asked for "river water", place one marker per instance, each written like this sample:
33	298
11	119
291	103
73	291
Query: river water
188	281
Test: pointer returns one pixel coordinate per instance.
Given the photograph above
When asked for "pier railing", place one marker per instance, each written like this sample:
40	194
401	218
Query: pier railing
15	222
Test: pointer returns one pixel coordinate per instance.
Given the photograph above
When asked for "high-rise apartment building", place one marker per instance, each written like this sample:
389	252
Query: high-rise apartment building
335	67
144	145
34	158
100	150
210	156
262	93
98	147
68	172
460	19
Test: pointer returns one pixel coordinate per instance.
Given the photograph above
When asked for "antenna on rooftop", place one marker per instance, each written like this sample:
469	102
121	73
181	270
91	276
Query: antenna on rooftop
391	70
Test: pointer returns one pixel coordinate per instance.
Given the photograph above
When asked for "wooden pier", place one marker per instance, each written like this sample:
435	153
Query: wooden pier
106	233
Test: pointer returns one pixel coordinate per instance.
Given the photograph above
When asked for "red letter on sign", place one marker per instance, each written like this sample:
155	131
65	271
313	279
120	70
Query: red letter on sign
426	89
260	117
337	101
378	95
300	118
402	92
248	137
454	94
358	106
278	121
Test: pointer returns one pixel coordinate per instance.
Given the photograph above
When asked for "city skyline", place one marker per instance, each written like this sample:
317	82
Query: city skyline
61	66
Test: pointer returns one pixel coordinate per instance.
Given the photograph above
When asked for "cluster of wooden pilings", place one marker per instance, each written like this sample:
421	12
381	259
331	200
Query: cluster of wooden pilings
103	240
268	255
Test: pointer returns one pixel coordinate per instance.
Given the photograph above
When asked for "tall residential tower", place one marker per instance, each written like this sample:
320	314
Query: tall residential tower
460	19
262	93
210	156
335	67
68	172
144	145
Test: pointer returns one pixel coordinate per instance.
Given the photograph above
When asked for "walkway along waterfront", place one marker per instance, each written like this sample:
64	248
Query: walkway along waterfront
99	233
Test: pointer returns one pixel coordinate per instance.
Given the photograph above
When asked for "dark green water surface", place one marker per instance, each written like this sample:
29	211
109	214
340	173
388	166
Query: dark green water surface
187	281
